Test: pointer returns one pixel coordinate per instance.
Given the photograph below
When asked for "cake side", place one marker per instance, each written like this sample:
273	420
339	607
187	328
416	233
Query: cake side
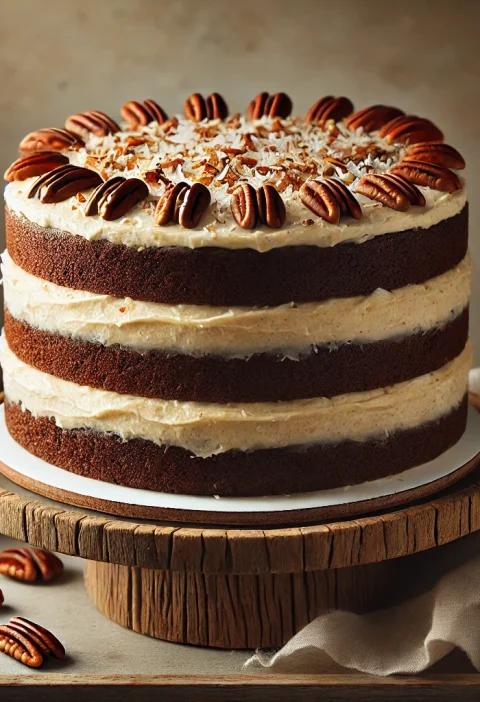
282	356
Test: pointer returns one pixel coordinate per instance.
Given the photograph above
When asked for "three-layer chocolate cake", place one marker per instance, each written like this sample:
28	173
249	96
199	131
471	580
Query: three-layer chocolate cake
237	305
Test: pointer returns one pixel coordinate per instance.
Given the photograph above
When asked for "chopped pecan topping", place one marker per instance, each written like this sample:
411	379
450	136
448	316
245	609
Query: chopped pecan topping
389	190
34	165
271	208
29	643
197	108
115	197
92	122
437	153
410	129
329	199
63	182
329	107
429	175
244	206
183	204
138	114
30	565
50	139
265	105
373	117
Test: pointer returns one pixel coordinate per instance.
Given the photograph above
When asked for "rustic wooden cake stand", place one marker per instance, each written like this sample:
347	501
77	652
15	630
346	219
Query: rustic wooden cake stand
241	588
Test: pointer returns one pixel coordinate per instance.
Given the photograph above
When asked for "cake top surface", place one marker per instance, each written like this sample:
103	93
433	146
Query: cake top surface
261	181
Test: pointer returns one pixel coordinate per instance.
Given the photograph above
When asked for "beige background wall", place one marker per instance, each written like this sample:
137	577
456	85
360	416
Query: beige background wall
64	56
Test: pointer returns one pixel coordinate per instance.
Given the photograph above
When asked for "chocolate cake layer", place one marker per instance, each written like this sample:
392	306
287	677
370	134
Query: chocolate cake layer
226	277
260	378
143	464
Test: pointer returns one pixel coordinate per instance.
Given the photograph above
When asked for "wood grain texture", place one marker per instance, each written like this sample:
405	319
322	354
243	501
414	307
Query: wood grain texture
384	536
242	688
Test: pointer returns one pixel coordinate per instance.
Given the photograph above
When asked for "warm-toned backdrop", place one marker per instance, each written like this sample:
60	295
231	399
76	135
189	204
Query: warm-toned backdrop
64	56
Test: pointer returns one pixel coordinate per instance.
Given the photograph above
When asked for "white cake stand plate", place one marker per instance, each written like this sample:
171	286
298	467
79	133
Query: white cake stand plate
40	477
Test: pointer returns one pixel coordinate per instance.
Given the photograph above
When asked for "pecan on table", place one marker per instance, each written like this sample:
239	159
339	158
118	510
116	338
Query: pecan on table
50	139
271	208
329	107
329	199
410	129
29	643
436	153
197	108
244	207
138	114
265	105
183	204
92	122
390	191
63	182
30	565
115	197
372	118
34	164
429	175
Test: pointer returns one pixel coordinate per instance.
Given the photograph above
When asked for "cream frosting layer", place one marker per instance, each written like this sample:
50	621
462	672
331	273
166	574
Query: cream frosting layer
138	229
208	429
240	331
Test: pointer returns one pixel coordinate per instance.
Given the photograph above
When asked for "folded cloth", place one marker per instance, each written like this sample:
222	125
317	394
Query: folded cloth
407	638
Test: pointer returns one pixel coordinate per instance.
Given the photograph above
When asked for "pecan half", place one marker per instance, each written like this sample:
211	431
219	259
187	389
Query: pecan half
116	197
197	108
390	191
183	204
92	122
373	117
437	153
329	199
265	105
50	139
30	565
429	175
138	114
329	107
244	206
1	598
34	165
63	182
271	208
410	129
29	643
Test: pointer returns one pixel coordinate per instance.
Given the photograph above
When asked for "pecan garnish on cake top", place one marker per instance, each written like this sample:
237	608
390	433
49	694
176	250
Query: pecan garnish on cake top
34	165
410	129
329	199
137	114
29	643
391	190
91	122
115	197
265	205
244	206
30	565
265	105
63	182
436	153
50	139
197	108
428	175
329	107
183	203
372	118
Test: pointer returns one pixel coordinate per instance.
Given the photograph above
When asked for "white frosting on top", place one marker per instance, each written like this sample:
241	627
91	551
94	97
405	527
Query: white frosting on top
207	429
284	157
240	331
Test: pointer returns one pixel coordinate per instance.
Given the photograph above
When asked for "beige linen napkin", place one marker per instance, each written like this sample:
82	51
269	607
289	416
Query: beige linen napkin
407	638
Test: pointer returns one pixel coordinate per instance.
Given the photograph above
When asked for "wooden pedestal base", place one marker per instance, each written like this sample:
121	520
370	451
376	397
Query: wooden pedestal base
238	611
